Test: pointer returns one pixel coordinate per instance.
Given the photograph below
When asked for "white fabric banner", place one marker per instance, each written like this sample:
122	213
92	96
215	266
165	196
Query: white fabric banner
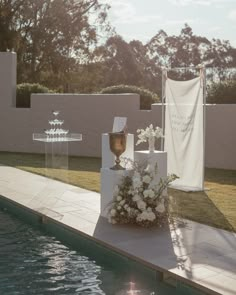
184	133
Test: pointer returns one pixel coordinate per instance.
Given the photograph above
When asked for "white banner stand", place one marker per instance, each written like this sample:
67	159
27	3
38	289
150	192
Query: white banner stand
183	122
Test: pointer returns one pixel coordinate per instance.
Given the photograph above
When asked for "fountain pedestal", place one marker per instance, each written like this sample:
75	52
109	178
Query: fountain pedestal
56	141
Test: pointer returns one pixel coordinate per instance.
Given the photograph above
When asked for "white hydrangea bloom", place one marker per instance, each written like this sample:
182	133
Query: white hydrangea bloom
147	179
149	193
118	198
136	179
150	216
160	208
122	202
113	212
136	198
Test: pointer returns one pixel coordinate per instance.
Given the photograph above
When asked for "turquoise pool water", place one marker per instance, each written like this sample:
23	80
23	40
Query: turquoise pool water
32	262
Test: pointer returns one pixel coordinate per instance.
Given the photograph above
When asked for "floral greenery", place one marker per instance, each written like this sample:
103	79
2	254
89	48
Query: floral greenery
148	133
139	200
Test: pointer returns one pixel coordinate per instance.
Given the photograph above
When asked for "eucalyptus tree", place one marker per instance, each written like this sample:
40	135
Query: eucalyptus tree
51	36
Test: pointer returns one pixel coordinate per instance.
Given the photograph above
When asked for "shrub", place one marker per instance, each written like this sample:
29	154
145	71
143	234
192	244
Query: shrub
23	92
146	97
224	92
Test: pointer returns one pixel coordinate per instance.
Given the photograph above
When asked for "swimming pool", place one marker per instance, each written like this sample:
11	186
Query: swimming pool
32	262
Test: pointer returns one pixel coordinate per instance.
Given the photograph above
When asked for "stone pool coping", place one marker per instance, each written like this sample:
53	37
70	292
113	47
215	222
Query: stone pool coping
198	255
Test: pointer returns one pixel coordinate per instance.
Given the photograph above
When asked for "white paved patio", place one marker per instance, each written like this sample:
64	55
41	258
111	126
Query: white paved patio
198	254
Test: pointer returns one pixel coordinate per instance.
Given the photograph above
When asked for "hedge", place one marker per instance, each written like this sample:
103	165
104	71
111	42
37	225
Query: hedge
222	93
23	93
147	98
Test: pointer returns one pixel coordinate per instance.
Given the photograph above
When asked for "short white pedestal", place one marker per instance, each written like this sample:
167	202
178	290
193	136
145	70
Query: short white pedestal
108	158
109	179
153	158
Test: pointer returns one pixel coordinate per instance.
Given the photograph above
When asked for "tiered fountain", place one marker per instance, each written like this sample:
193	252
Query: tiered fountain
56	133
56	146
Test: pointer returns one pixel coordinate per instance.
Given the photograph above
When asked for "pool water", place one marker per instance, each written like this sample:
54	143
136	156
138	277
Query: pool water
32	262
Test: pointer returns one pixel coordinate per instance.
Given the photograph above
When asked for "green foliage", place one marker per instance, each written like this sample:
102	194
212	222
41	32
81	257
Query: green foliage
224	92
23	93
51	36
146	97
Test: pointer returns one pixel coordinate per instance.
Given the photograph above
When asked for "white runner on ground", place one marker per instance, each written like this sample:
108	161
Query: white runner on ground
184	133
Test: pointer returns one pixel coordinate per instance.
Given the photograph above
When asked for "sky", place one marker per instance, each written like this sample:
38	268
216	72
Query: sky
142	19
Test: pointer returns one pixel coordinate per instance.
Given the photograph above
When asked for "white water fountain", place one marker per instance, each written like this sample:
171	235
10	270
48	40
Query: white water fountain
56	133
56	141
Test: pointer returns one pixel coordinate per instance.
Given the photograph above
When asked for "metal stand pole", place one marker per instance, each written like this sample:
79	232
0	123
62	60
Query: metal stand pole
204	124
163	107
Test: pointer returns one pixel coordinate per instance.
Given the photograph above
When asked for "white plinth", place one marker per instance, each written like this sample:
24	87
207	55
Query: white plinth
153	158
109	179
108	158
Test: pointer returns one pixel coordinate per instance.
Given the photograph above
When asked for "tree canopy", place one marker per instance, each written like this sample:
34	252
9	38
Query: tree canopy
69	45
50	36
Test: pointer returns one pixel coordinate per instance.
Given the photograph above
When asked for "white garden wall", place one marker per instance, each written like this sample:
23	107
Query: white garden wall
93	115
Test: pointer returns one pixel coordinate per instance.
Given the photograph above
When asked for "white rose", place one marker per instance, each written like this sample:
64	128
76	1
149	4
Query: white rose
119	208
122	202
151	216
149	193
141	205
146	193
136	198
113	212
139	218
143	216
160	208
136	183
126	206
118	198
146	179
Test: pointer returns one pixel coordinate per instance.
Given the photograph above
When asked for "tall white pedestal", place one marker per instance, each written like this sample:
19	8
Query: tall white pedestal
109	179
158	158
108	158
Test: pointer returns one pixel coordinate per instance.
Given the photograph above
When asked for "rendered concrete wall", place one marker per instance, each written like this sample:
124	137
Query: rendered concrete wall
93	115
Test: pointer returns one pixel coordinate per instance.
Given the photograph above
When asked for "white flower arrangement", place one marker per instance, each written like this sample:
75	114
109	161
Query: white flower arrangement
150	132
139	200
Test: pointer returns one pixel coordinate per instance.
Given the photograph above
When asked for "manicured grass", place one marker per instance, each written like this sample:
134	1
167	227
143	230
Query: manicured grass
83	171
216	206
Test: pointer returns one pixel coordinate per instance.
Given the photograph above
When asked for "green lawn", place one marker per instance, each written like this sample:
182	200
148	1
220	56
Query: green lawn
216	206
